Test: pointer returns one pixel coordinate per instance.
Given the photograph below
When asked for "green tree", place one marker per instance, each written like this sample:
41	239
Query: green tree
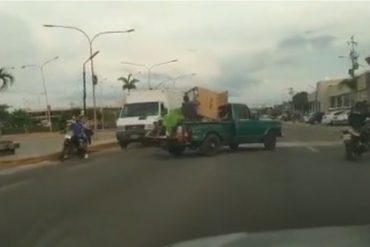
19	119
6	79
4	113
129	83
300	101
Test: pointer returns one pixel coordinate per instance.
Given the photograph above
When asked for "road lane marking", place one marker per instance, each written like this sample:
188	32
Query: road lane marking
305	144
76	167
312	149
15	185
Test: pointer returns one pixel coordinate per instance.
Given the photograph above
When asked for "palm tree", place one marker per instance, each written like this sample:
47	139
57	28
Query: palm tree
6	79
129	83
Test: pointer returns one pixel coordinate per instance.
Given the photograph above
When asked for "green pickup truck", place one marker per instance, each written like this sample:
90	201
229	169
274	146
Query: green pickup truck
236	126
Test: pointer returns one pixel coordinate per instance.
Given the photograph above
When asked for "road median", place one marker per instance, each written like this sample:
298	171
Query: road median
54	156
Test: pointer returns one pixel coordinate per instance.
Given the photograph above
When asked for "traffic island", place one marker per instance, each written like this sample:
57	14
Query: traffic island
54	156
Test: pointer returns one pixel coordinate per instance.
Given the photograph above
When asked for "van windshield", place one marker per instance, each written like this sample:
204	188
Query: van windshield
140	109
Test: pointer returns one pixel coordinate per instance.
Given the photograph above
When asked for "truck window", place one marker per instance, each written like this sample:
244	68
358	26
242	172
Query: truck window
140	109
225	113
241	112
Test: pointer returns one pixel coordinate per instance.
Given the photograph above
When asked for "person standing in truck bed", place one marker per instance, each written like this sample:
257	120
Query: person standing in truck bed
189	109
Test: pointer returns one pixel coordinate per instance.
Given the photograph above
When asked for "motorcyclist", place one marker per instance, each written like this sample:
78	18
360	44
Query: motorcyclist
78	130
357	119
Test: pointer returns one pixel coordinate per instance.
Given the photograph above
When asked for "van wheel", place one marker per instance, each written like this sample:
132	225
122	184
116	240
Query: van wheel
123	144
176	150
211	145
234	146
270	141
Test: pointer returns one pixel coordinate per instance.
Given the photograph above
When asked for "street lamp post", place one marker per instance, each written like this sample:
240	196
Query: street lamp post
149	68
84	79
41	68
174	80
91	40
182	76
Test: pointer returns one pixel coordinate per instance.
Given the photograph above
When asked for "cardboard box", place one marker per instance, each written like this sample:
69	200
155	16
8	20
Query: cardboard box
209	102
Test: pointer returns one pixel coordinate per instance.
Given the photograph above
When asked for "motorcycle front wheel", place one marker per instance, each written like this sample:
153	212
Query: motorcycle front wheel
352	154
63	154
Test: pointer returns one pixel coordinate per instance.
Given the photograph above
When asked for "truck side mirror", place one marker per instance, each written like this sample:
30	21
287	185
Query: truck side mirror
164	111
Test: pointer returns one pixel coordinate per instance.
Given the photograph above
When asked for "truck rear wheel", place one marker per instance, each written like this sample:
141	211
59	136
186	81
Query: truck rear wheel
176	150
270	141
211	145
234	146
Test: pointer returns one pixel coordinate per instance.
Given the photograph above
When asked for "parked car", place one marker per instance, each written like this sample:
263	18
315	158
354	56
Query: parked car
315	118
330	117
341	118
307	117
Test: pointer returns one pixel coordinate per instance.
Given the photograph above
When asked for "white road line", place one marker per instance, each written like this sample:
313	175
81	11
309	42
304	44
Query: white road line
15	185
76	167
312	149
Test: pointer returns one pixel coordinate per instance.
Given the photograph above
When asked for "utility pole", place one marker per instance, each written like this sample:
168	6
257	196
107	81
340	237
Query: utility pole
291	94
353	56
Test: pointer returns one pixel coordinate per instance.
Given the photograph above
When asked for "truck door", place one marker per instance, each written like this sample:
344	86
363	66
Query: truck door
247	129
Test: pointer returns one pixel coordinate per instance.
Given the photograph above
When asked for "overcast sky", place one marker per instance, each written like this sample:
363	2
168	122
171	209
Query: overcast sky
255	50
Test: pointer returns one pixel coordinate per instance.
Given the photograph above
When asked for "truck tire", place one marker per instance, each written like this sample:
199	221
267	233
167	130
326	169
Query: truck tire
211	145
234	146
176	150
123	144
269	141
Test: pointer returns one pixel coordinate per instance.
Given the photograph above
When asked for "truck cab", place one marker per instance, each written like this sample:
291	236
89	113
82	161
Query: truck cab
236	125
141	110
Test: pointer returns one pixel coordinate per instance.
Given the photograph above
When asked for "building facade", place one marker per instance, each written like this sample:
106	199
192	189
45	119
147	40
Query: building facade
333	95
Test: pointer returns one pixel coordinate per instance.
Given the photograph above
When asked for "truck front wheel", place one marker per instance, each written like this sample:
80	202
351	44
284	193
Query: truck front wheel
270	141
123	144
176	150
211	145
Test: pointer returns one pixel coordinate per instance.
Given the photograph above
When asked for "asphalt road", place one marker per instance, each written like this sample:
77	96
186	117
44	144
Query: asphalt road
144	197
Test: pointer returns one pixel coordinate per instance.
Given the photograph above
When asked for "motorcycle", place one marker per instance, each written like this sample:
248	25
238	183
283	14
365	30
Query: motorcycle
355	145
73	147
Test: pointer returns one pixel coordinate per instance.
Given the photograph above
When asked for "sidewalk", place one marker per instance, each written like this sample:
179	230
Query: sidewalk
41	144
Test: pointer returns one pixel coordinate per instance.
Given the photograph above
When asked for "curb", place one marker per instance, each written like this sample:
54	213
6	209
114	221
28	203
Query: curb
54	156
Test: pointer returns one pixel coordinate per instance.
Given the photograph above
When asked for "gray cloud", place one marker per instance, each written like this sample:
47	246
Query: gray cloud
301	41
17	41
236	75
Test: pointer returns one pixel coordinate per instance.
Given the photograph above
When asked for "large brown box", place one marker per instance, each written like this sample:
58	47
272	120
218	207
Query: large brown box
209	102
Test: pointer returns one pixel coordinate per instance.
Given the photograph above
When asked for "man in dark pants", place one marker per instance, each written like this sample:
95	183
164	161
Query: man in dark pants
189	109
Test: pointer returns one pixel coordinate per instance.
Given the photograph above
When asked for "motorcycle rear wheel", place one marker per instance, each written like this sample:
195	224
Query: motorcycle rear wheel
351	153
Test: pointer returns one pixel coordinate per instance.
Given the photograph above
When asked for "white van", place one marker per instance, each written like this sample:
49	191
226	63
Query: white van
140	111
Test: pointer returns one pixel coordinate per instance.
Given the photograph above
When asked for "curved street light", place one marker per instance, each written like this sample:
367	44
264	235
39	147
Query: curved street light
41	68
174	80
149	68
91	40
182	76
